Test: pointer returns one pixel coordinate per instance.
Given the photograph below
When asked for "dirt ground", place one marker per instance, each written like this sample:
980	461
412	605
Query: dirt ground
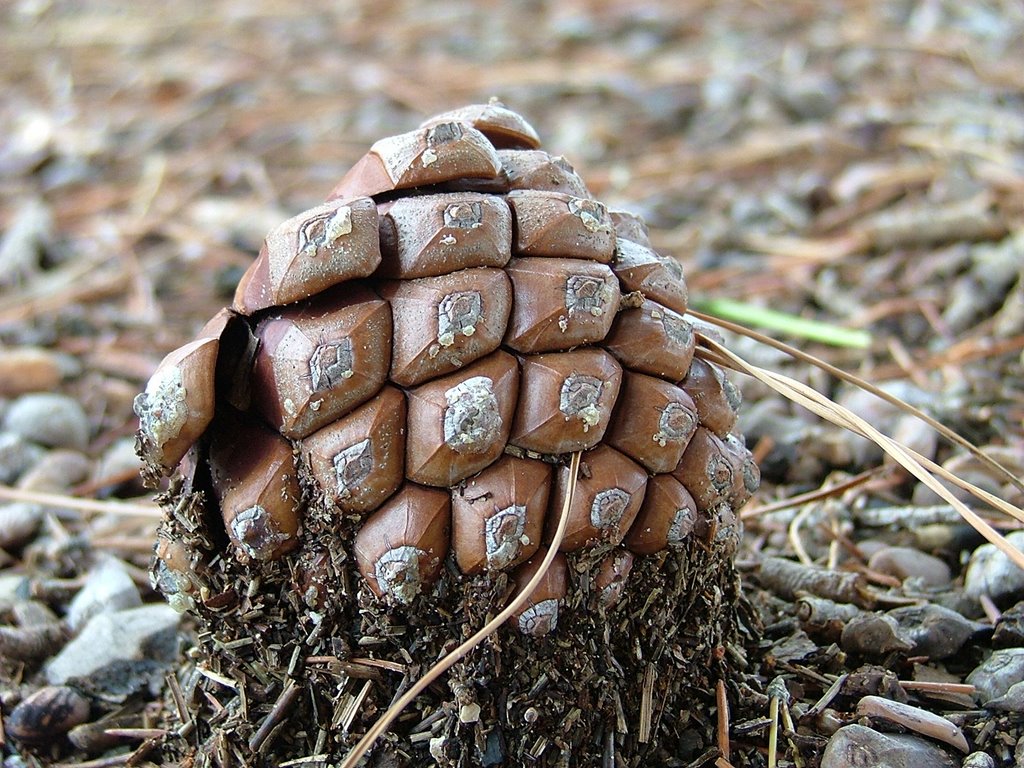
854	165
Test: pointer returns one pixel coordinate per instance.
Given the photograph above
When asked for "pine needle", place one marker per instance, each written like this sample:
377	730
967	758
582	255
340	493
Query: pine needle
856	381
782	322
389	716
123	508
914	463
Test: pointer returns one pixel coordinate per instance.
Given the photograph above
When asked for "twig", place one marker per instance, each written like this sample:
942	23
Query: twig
929	687
723	719
275	716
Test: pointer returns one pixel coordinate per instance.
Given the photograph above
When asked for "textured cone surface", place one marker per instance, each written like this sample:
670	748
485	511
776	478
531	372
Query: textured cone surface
396	392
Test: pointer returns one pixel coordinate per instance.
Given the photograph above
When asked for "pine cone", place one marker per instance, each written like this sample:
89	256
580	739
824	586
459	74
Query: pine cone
400	380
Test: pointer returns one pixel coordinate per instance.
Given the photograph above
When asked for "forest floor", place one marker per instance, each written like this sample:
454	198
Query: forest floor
856	165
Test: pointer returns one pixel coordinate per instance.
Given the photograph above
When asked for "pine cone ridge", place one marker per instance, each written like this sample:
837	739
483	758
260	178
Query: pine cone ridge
380	424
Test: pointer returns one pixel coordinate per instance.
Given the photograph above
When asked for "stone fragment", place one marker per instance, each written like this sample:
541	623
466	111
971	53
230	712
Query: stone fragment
16	456
856	746
19	522
107	588
935	631
909	563
53	420
56	472
1011	701
992	573
874	634
994	676
118	652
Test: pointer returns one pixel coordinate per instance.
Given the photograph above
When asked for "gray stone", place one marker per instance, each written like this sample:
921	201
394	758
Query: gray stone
107	589
979	760
13	589
16	456
856	746
48	419
993	678
935	631
119	459
118	653
992	573
909	563
1011	701
19	522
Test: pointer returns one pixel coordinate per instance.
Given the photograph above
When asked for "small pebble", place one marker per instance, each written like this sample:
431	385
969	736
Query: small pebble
19	522
104	650
28	369
469	713
47	714
936	632
108	588
16	456
997	673
874	634
118	461
57	472
908	563
918	720
856	746
13	589
992	573
1011	701
1009	632
53	420
979	760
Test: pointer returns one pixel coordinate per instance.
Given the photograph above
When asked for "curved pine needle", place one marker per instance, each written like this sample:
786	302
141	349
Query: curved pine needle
482	634
850	378
817	403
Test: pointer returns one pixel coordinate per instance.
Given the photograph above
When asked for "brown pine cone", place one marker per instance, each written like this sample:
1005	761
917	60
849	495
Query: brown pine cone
395	391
